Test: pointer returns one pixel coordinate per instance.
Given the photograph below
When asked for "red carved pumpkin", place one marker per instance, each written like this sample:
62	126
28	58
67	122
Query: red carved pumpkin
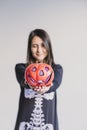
39	74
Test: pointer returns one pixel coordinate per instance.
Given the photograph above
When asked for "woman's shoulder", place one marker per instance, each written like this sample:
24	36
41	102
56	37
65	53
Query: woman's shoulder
57	66
20	65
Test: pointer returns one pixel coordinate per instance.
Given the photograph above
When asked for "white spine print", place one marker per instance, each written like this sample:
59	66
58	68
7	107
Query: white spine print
37	121
37	115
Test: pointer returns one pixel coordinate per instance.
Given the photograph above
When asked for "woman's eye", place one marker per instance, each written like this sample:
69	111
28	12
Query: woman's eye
43	45
34	46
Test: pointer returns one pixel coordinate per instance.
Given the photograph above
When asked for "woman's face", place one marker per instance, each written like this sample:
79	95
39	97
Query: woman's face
38	49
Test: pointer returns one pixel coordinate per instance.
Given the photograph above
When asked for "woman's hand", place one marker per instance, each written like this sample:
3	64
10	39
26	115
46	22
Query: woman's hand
41	89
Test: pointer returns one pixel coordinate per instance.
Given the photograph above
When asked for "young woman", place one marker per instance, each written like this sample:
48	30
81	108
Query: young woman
38	107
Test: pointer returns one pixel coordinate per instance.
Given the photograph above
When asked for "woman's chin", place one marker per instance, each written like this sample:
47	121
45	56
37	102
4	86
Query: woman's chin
39	61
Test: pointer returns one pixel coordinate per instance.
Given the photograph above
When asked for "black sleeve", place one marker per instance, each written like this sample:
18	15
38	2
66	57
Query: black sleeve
58	73
19	71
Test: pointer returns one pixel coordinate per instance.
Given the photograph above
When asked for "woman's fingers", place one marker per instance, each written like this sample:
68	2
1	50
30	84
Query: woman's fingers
41	89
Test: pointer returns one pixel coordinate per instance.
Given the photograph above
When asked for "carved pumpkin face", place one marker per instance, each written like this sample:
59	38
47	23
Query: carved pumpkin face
39	74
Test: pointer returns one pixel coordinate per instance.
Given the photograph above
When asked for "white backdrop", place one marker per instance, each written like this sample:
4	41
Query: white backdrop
66	23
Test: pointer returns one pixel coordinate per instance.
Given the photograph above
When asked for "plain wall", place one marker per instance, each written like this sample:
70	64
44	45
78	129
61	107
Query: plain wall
66	23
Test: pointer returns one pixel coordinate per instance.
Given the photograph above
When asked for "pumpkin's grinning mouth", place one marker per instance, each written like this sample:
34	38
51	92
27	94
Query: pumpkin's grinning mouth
40	81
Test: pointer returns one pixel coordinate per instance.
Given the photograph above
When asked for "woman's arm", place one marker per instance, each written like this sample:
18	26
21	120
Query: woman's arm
19	70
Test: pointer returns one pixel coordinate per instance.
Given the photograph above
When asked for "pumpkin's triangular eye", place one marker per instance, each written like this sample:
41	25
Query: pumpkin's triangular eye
34	69
46	68
41	73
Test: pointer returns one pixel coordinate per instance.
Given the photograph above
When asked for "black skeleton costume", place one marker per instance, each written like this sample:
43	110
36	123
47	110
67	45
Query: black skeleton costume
37	111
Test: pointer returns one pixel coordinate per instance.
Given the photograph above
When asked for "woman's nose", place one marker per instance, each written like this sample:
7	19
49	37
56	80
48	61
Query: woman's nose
39	49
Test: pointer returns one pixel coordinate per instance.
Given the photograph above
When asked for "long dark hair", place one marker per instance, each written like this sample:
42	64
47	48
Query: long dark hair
47	43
